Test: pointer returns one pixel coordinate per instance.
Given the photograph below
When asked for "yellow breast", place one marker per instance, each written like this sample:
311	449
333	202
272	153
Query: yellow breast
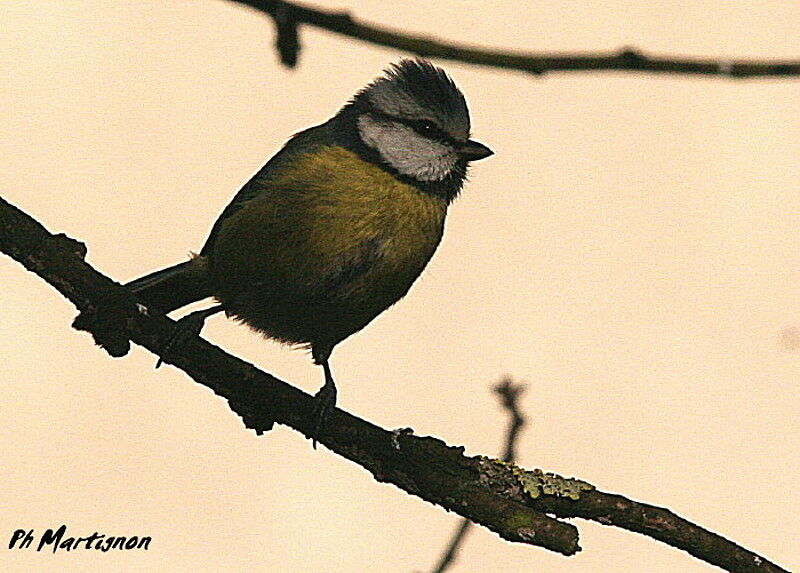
329	243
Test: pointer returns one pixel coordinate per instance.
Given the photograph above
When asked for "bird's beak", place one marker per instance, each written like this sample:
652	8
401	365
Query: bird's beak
472	150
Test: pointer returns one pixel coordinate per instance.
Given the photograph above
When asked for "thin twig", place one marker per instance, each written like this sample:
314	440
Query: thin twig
509	393
449	555
626	59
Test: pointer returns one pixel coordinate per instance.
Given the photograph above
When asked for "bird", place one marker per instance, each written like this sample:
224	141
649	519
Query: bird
338	224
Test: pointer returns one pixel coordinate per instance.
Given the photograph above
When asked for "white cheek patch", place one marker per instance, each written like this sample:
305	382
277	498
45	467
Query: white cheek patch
406	150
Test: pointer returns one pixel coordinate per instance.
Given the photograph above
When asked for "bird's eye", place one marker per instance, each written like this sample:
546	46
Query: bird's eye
427	127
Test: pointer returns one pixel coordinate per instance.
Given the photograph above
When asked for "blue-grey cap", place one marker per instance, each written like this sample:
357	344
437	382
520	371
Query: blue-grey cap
417	90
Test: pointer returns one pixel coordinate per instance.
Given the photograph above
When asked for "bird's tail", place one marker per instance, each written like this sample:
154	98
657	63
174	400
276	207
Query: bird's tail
175	286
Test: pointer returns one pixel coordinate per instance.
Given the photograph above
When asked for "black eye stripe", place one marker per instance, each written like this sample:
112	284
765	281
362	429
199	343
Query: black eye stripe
428	129
424	127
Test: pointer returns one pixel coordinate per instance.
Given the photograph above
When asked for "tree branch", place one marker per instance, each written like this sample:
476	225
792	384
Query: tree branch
497	495
288	15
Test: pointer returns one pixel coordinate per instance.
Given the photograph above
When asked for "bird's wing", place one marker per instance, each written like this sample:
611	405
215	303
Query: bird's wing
301	143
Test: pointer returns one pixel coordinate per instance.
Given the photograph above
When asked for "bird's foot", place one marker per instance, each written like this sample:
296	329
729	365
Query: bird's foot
324	402
185	328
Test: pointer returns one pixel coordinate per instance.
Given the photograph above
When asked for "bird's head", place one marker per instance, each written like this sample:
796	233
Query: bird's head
413	121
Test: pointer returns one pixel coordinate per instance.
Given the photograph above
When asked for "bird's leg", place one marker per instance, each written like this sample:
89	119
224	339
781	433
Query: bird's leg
324	400
186	327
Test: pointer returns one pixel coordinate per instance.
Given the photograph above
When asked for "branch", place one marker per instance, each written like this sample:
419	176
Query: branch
509	393
425	467
288	15
497	495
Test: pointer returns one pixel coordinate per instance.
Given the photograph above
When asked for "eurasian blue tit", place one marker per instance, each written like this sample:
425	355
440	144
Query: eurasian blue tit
337	226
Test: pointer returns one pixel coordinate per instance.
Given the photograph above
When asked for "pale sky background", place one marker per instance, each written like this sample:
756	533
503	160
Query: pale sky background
631	251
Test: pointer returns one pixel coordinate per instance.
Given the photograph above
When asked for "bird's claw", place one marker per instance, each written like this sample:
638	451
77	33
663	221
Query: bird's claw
185	328
324	402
